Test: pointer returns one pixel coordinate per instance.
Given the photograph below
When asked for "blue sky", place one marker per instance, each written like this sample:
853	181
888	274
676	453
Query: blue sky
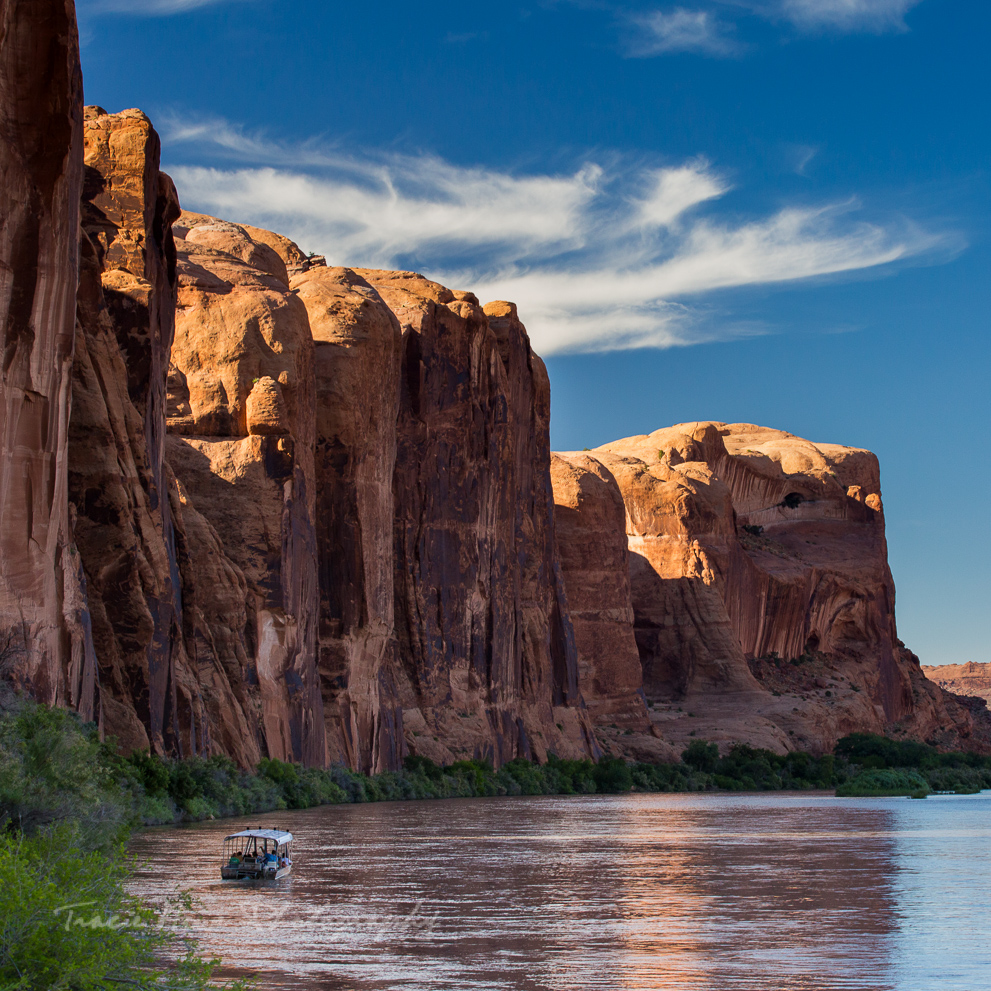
772	211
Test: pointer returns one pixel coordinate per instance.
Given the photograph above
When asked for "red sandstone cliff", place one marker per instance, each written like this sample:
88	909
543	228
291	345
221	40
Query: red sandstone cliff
591	543
117	485
346	548
435	596
357	369
43	643
242	420
487	656
153	565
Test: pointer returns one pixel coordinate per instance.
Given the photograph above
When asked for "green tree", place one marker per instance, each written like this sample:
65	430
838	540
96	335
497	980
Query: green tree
612	776
701	755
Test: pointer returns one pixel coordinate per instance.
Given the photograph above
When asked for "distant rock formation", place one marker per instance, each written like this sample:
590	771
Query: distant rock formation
970	679
763	603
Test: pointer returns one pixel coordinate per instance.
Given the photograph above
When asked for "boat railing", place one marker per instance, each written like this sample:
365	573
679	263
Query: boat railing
251	854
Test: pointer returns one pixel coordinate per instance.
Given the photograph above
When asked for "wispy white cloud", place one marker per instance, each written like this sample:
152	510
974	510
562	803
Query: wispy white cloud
846	15
151	8
599	258
649	303
802	158
662	32
708	26
670	192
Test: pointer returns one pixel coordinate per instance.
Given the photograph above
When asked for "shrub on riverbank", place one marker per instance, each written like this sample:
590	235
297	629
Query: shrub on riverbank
69	923
878	783
48	774
198	788
55	770
954	771
66	920
165	791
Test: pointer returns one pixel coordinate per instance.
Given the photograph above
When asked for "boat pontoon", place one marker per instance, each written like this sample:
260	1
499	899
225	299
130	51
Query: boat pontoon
257	854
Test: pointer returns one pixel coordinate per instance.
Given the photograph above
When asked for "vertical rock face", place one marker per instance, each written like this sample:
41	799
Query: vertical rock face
423	571
242	417
756	551
357	362
590	531
117	482
41	625
487	657
163	602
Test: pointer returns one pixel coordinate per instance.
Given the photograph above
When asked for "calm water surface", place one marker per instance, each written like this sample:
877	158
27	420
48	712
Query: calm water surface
769	892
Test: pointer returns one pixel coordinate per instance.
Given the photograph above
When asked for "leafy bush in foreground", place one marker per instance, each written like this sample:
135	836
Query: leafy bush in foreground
66	920
69	923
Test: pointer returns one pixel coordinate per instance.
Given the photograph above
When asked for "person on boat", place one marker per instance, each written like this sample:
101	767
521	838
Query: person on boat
270	857
235	860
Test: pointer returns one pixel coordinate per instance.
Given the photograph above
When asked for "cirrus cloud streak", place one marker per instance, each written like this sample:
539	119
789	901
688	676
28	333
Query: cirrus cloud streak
604	257
708	27
150	8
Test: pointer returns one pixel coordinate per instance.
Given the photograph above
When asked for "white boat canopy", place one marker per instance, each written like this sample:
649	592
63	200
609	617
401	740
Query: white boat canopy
279	835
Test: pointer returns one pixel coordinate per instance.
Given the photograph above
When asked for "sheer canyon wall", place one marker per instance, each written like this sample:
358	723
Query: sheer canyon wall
257	505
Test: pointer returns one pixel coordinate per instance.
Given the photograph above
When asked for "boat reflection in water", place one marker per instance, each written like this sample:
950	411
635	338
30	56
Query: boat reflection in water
720	892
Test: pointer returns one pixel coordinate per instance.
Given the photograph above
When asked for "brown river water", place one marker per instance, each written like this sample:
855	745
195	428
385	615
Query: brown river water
773	892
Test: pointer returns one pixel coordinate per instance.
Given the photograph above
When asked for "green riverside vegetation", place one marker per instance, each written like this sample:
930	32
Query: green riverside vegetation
68	802
885	783
66	919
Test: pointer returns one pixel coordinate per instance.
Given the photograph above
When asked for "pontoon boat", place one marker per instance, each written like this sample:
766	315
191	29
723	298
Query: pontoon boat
257	854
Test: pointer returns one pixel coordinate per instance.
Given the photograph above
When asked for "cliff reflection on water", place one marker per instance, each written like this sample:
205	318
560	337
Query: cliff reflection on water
768	892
